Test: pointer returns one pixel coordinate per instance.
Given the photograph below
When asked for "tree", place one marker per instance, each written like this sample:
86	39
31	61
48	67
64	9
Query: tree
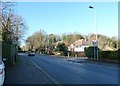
52	39
6	22
13	25
37	41
103	41
29	42
19	26
70	38
62	48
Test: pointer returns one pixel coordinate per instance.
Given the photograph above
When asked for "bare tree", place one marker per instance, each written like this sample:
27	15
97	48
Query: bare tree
13	25
30	43
19	27
37	40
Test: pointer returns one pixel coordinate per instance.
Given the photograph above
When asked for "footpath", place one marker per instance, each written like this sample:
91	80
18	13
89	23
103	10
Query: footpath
24	72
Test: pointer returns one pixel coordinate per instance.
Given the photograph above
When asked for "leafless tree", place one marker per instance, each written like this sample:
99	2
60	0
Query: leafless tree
37	40
13	25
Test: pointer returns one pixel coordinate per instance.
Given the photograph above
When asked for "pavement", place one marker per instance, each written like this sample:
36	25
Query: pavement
24	72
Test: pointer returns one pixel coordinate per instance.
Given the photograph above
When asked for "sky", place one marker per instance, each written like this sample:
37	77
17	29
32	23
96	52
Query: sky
70	17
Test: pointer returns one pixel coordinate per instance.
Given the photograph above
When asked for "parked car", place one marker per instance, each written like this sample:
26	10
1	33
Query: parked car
2	73
31	53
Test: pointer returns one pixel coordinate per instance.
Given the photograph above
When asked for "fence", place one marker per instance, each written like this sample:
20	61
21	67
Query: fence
9	51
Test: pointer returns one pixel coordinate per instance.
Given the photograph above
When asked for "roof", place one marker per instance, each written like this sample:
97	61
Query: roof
80	42
107	48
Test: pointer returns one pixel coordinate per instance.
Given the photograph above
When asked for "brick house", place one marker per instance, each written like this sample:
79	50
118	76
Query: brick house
78	47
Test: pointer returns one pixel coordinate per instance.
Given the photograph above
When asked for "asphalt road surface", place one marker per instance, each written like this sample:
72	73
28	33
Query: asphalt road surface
60	71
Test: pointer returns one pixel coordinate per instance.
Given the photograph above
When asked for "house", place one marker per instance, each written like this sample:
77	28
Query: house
107	48
78	47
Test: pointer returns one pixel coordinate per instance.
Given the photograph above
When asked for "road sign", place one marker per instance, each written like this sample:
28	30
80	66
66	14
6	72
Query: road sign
94	43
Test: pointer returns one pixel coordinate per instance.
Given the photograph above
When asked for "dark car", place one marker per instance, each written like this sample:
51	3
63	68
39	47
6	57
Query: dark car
31	54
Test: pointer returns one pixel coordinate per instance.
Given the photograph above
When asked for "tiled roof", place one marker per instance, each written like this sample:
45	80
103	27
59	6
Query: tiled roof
80	42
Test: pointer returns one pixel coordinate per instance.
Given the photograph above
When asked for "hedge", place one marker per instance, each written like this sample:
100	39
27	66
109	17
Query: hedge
113	55
89	51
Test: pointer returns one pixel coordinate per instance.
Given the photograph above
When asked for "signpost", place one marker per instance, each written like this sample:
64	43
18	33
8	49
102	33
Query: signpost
95	49
94	44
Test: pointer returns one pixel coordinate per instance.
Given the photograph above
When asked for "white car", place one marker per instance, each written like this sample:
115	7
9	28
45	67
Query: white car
2	73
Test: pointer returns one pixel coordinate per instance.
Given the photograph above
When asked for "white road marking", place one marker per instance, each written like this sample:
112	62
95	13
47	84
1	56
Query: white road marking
50	77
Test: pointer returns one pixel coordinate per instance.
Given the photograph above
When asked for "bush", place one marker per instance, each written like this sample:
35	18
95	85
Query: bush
62	49
106	54
112	55
89	51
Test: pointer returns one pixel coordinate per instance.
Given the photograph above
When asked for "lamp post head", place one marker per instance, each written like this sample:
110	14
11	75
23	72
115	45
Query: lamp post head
91	7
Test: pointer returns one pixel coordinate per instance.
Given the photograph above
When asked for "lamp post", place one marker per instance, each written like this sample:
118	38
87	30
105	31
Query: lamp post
96	40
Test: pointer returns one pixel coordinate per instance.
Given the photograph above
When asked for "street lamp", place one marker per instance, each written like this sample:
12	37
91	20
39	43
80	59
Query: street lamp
96	42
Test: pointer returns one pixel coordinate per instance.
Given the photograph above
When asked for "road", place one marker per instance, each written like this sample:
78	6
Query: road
61	71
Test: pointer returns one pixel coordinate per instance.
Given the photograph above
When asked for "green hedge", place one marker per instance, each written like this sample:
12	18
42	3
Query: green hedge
89	51
113	55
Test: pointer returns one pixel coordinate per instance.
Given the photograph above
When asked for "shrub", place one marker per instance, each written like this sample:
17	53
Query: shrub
62	48
113	55
89	51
